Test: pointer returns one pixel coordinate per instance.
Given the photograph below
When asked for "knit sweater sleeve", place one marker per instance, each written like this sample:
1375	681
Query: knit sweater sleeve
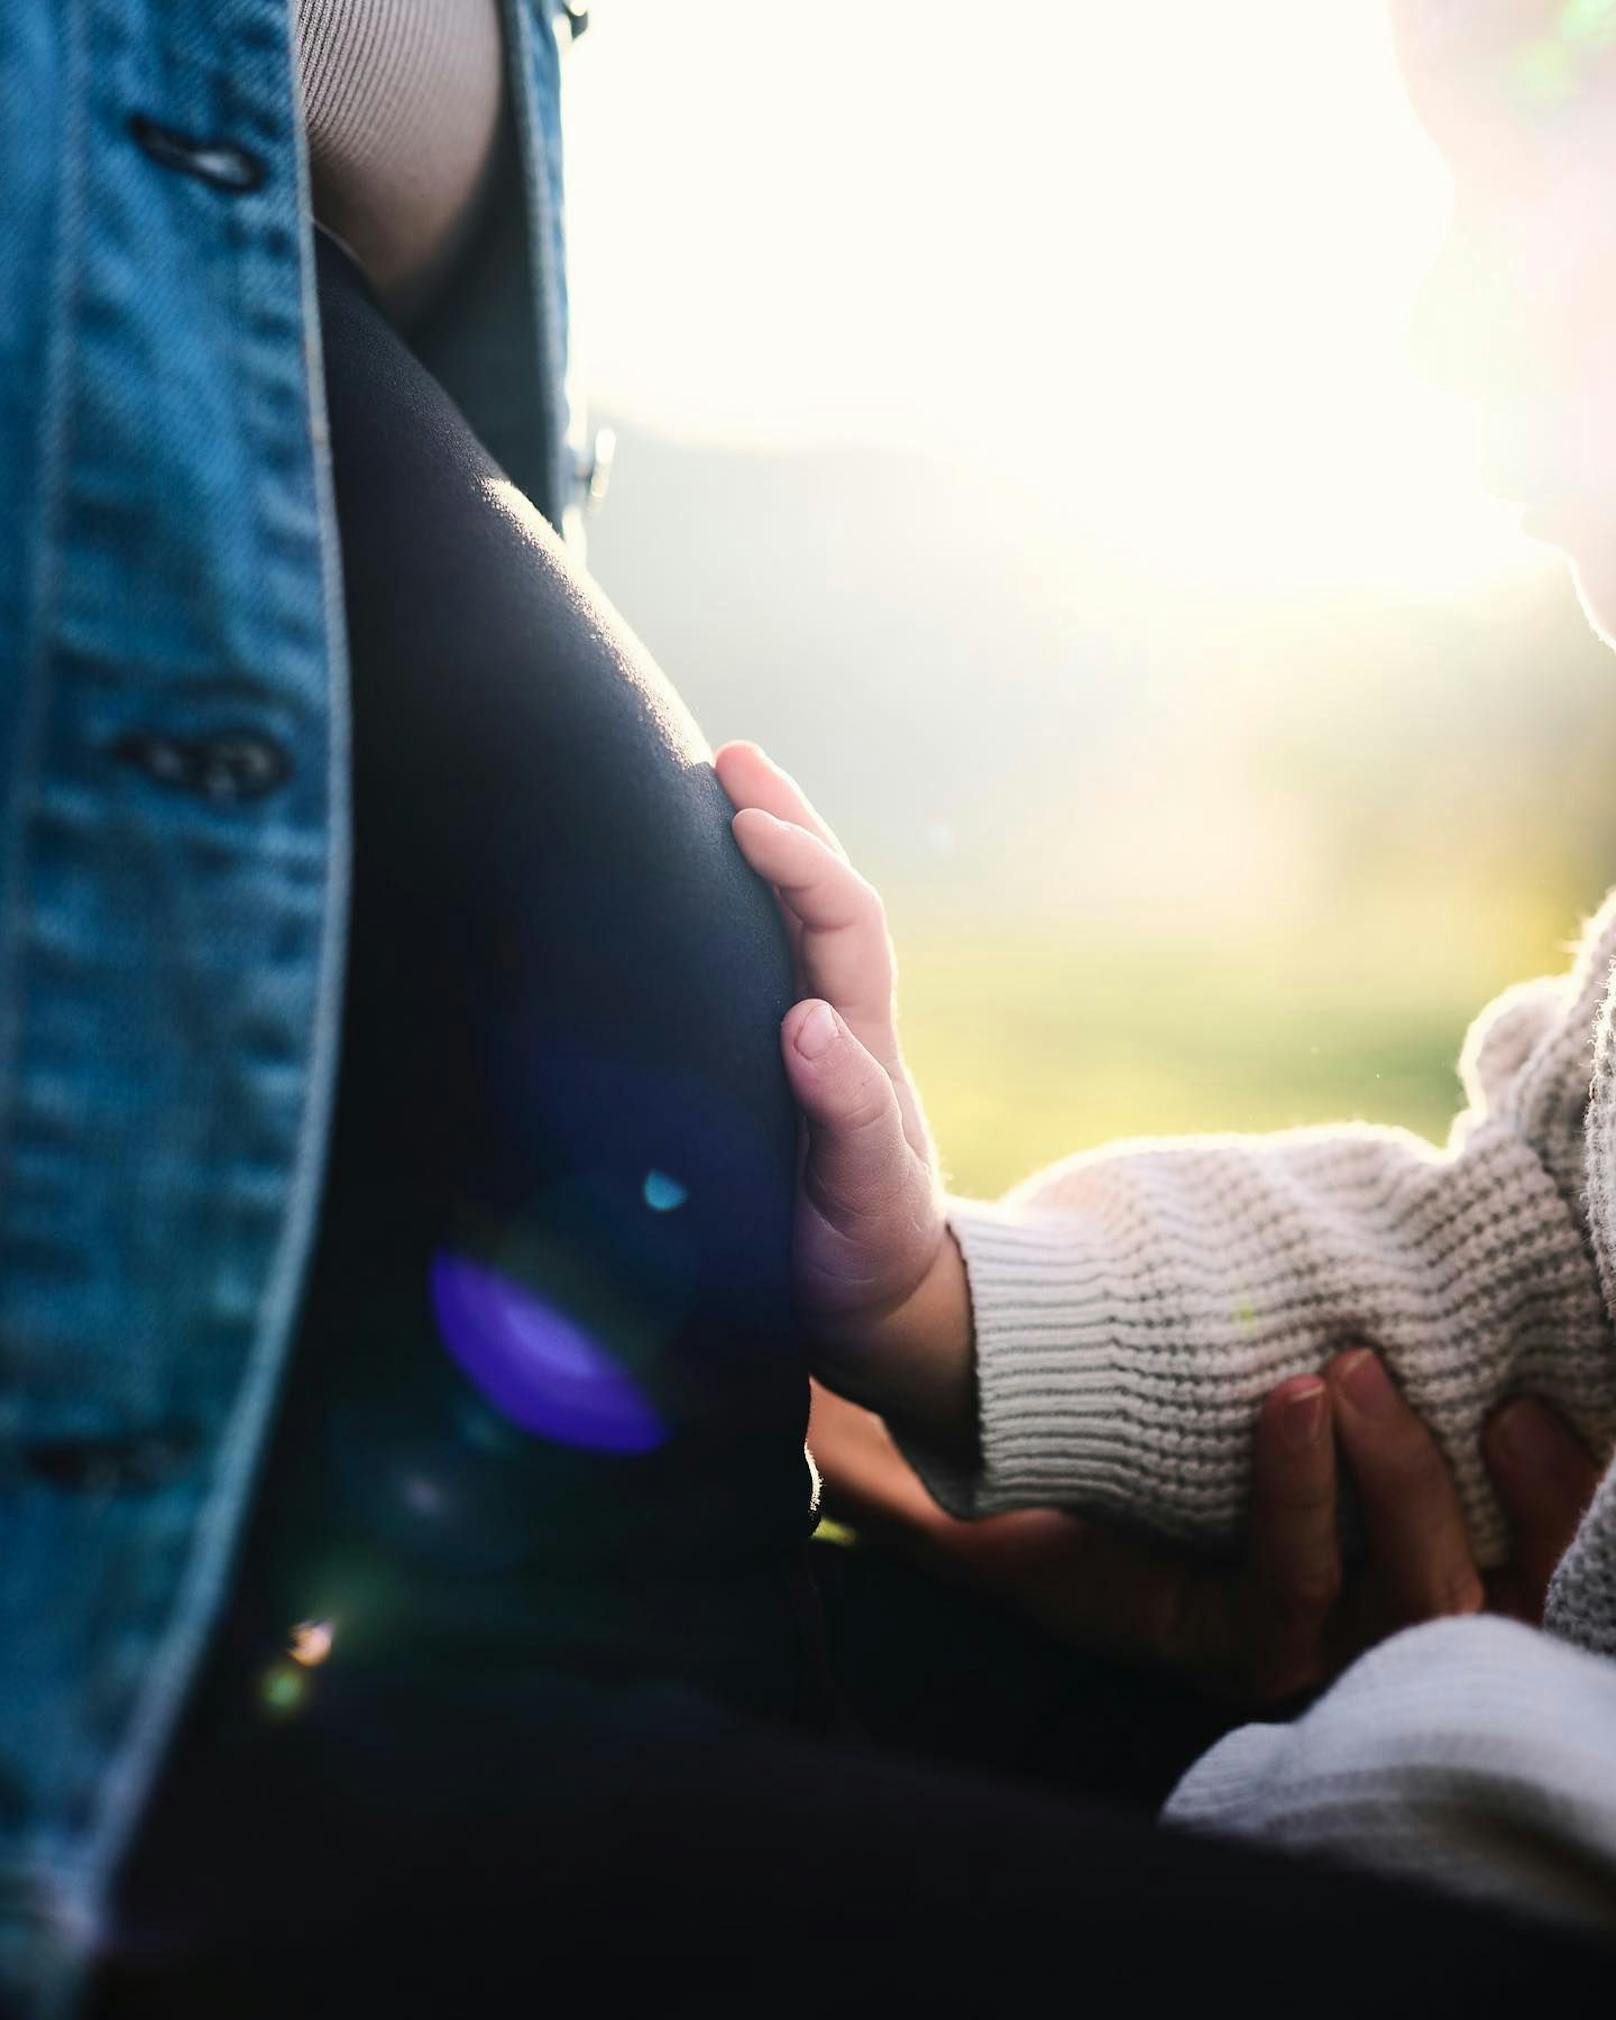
1474	1755
1132	1306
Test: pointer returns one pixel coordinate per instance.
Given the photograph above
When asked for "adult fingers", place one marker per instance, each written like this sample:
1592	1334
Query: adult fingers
753	779
867	1480
1545	1477
1098	1588
1415	1524
1295	1542
1081	1582
1095	1587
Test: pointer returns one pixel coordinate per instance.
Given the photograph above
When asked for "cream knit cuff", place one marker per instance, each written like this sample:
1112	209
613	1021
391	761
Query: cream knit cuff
1058	1417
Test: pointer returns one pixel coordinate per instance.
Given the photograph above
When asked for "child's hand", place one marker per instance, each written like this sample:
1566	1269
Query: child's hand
881	1284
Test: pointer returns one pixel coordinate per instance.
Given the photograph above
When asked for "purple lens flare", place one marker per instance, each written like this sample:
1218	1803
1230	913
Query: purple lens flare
537	1367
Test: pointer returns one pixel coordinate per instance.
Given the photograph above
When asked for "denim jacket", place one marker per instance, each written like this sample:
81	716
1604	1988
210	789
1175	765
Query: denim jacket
174	854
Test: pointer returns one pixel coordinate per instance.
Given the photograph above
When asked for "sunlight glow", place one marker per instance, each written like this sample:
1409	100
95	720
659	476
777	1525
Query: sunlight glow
1157	263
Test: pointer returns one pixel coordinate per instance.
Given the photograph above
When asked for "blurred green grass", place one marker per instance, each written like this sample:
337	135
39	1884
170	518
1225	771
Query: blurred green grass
1033	1040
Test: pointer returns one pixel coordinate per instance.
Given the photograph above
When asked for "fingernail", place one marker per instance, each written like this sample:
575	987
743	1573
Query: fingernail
1302	1417
817	1032
1367	1384
1523	1437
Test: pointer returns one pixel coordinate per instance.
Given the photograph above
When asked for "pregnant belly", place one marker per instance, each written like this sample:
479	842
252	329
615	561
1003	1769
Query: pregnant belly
547	1342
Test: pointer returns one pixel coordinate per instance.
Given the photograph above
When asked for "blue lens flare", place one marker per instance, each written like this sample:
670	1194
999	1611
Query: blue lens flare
537	1366
662	1193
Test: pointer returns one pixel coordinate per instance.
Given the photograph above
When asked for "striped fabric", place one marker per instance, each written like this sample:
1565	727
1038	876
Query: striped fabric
402	102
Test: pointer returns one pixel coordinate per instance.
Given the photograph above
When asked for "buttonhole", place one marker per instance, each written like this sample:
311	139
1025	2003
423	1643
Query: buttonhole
217	162
112	1465
237	765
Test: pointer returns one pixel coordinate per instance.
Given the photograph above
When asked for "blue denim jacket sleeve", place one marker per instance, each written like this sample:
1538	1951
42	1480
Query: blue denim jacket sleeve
173	848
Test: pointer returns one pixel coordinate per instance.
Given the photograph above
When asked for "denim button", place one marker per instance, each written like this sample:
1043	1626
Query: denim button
235	765
117	1465
218	162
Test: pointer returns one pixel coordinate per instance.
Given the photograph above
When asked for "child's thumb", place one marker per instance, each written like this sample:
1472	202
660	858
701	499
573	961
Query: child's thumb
858	1157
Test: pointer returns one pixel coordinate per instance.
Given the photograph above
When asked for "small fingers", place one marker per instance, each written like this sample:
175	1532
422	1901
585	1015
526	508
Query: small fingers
817	882
861	1176
868	1219
844	952
1411	1507
753	779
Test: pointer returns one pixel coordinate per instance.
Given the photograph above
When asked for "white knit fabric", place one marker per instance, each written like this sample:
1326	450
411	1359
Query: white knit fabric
1475	1755
1132	1307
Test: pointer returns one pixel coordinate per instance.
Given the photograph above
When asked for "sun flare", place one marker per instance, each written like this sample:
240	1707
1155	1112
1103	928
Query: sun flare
1160	262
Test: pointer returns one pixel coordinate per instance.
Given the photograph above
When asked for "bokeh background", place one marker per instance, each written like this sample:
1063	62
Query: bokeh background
1022	432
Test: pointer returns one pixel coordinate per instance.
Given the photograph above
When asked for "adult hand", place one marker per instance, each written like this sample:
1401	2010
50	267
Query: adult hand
1292	1613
